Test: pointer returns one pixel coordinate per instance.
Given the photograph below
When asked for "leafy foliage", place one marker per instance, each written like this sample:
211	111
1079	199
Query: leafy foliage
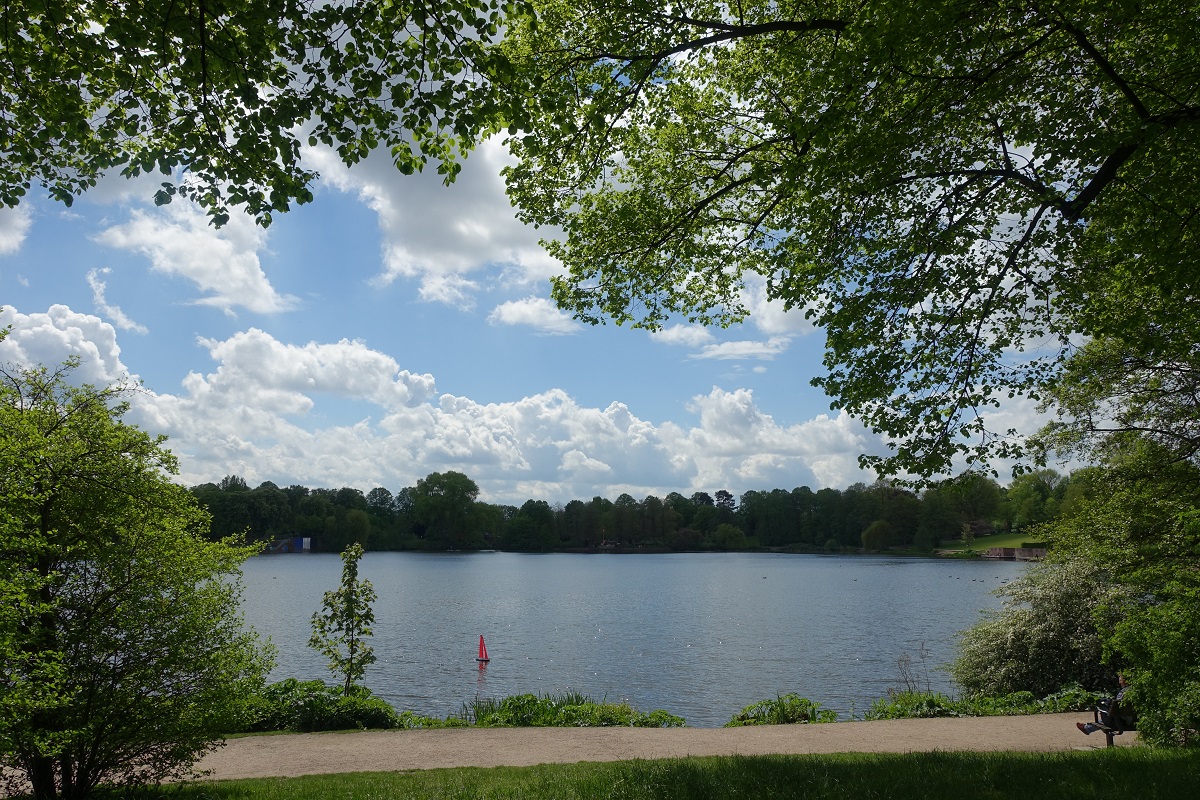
951	189
922	705
910	705
444	502
1122	594
220	97
1044	638
786	709
801	519
1143	525
565	711
1112	386
341	629
124	657
292	705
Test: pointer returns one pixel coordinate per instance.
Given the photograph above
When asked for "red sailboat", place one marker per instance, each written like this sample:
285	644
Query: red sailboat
482	658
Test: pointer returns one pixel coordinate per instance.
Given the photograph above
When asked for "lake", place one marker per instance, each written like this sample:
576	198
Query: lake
699	634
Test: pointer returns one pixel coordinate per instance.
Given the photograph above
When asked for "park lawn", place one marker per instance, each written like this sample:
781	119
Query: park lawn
1120	772
995	540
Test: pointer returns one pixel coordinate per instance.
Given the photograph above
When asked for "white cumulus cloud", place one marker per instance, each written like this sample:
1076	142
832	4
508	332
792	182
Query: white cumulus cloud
770	316
268	410
222	262
684	335
50	338
14	226
264	371
745	349
534	312
441	235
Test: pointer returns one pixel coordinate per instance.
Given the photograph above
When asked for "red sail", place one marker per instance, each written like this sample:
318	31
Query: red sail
483	656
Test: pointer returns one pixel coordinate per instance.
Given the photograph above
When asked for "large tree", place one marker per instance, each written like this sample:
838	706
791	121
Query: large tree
444	502
1142	526
124	657
1127	538
220	95
954	190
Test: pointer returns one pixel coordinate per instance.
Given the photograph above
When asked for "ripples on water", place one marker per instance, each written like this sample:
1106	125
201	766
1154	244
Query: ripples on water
700	635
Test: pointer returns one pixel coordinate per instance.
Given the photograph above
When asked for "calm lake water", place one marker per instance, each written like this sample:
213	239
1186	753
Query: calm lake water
700	635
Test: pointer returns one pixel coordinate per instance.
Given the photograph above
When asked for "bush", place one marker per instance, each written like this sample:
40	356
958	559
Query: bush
1045	637
564	711
292	705
914	705
919	705
786	709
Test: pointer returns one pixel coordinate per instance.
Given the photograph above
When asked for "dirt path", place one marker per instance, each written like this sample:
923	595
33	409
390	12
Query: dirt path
317	753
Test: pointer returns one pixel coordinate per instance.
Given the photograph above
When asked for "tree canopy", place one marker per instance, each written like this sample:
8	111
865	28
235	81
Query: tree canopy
957	191
954	190
1112	388
219	95
124	656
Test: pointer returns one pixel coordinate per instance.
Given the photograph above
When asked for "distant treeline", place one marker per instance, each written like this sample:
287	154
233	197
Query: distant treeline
442	513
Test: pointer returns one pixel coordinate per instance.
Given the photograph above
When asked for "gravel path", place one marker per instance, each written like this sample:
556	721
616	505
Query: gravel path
374	751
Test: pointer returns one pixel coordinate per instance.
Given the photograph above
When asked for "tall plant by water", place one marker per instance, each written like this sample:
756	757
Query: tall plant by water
342	628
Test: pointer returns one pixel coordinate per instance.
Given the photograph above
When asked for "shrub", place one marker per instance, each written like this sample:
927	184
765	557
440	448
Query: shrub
916	705
1045	637
292	705
570	710
786	709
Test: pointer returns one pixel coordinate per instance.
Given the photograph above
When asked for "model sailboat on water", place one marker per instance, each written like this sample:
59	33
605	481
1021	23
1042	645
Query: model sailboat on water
482	658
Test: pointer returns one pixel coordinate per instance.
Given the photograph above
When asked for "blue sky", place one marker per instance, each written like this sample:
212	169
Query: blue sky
395	327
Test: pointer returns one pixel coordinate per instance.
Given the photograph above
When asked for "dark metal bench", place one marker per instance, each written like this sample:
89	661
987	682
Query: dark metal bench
1113	718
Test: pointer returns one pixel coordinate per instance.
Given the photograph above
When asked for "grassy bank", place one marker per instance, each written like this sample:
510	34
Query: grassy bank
982	543
1121	772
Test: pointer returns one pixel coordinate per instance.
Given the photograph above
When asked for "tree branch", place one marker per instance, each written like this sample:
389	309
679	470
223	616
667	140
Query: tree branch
727	33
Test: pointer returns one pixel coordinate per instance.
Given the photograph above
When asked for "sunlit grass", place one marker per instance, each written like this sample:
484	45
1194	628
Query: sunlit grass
984	542
1121	772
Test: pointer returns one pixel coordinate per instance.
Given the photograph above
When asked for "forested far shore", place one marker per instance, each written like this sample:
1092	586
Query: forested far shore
442	512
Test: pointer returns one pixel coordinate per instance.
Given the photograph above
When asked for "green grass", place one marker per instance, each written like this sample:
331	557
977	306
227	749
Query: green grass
1120	772
995	540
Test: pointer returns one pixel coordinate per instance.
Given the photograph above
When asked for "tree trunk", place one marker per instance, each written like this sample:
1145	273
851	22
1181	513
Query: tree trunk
66	770
41	776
